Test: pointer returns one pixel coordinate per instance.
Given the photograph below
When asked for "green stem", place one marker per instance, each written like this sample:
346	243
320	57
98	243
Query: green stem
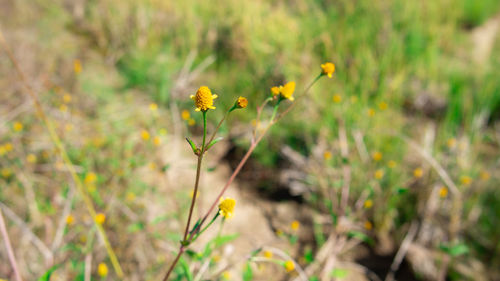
192	239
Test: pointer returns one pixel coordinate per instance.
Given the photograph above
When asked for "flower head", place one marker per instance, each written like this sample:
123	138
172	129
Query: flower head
242	102
368	204
100	218
465	180
289	265
70	219
368	225
379	174
328	69
185	115
337	98
102	269
377	156
418	173
287	90
443	191
153	107
226	207
268	254
275	90
18	126
204	100
77	66
295	225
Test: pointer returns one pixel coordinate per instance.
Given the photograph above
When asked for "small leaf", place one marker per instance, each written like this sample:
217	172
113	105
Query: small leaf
138	226
46	276
361	236
214	142
185	268
193	146
338	273
247	273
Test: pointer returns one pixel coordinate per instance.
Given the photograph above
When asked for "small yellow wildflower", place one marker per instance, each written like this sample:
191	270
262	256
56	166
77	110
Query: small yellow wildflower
287	90
327	155
379	174
8	147
418	173
91	177
382	105
443	192
391	164
145	135
6	172
162	132
337	98
191	122
377	156
3	151
371	112
451	143
275	91
279	232
63	108
77	66
70	219
242	102
226	275
157	141
31	158
153	107
368	204
185	115
226	207
68	127
466	180
295	225
289	265
204	99
100	218
152	166
328	69
18	126
66	98
216	258
130	197
368	225
191	194
484	175
102	269
268	254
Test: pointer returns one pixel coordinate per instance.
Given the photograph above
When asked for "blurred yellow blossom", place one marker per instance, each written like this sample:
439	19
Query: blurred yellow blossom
377	156
145	135
418	173
5	172
162	132
191	193
18	126
451	143
484	175
204	99
185	115
31	158
226	275
328	68
275	91
102	269
327	155
8	147
77	66
157	141
337	98
91	177
370	112
443	192
295	225
379	174
100	218
382	105
368	204
191	122
289	265
130	197
391	164
287	90
153	107
368	225
66	98
226	207
466	180
268	254
63	108
70	219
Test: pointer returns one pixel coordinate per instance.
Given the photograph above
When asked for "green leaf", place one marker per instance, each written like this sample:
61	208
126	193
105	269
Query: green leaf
138	226
308	256
339	273
216	140
361	236
46	276
193	146
185	268
247	273
221	240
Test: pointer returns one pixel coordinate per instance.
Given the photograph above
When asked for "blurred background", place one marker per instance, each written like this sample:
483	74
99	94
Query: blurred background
409	125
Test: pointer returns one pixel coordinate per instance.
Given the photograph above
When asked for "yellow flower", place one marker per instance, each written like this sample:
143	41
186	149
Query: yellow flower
242	102
185	115
418	173
152	166
279	232
368	204
157	141
102	269
191	122
226	275
268	254
327	155
295	225
379	174
18	126
77	66
287	90
443	191
191	194
216	258
153	107
70	219
275	91
91	177
226	207
451	143
63	108
328	69
68	127
162	132
466	180
145	135
484	175
31	158
130	197
377	156
382	106
5	172
289	265
67	98
368	225
204	100
371	112
391	164
337	98
100	218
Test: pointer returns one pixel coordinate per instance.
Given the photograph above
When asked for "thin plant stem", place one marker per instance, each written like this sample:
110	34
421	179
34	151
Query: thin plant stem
60	147
8	245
